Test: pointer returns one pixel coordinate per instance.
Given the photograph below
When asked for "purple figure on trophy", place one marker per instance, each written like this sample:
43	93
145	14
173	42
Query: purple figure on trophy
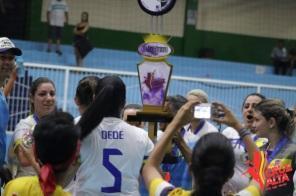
153	89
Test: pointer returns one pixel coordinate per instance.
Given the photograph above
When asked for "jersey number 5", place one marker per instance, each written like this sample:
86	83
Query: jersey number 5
107	152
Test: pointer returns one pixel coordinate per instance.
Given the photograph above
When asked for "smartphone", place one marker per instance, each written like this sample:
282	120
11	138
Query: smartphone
203	111
207	111
20	66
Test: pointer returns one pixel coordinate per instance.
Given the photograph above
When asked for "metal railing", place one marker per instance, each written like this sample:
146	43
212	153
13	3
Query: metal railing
66	79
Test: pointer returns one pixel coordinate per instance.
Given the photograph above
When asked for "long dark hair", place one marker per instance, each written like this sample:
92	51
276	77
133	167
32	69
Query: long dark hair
109	101
212	164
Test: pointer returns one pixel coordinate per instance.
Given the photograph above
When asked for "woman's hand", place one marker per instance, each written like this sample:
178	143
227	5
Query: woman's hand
228	118
28	153
185	113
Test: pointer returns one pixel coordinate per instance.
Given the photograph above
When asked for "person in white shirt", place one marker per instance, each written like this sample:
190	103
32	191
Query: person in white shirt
279	56
197	127
112	151
43	101
240	179
211	164
191	134
84	96
57	17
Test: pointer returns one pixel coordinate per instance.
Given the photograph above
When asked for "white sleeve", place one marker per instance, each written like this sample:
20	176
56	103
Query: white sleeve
21	129
149	146
230	133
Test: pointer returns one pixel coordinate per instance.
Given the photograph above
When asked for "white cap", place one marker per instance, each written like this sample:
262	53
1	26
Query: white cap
7	46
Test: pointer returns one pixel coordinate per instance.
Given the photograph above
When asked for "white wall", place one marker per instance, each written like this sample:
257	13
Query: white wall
125	15
267	18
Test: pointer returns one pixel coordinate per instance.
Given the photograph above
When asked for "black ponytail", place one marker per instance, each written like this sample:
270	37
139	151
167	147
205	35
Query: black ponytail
212	164
211	181
109	100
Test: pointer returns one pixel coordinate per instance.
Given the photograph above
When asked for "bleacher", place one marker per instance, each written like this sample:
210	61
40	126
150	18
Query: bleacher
103	60
127	61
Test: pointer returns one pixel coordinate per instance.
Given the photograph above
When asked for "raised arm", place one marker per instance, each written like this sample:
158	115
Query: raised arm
230	120
150	170
184	148
10	83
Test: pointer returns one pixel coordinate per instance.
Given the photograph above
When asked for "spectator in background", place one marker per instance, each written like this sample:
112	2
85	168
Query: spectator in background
8	51
279	56
57	16
56	144
43	102
292	61
82	45
208	53
131	110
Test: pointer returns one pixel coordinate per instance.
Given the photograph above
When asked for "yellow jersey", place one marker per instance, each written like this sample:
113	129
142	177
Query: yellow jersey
29	186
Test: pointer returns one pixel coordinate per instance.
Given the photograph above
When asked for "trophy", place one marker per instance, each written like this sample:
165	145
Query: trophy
154	71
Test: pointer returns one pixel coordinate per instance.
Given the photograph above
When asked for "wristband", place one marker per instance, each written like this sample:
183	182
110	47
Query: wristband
244	132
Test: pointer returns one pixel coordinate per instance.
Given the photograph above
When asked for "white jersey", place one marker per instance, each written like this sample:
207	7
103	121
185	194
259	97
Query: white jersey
240	179
57	11
23	130
192	136
111	159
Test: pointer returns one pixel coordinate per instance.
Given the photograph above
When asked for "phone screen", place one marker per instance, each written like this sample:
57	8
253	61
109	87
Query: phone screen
202	111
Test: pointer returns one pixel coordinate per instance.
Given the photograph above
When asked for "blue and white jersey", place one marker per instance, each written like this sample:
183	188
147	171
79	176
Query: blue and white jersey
4	116
111	159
